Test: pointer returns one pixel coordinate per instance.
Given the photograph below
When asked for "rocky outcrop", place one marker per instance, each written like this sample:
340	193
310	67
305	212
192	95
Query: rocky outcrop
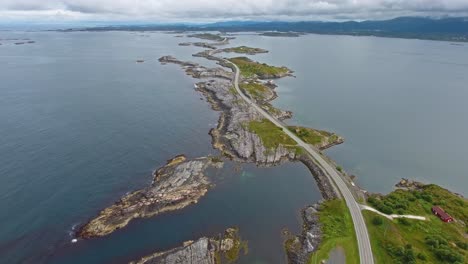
197	71
298	248
179	183
225	248
326	188
232	136
204	45
338	141
319	138
202	72
170	59
245	50
409	184
198	44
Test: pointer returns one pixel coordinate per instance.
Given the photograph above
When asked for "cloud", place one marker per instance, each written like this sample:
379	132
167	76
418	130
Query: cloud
209	10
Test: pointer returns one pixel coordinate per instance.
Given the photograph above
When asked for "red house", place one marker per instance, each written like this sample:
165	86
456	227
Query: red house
442	214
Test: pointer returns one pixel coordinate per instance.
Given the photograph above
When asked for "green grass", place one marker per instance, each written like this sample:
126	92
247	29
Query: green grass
251	68
256	90
381	235
207	36
271	135
314	137
232	90
245	50
239	245
439	242
270	109
338	231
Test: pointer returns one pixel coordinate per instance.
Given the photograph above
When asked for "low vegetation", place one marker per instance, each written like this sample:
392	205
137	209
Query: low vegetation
318	138
280	34
256	90
245	50
207	36
270	108
238	245
338	231
412	241
251	68
271	135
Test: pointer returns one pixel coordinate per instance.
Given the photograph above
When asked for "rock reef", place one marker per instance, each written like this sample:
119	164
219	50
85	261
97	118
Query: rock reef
179	183
197	71
245	50
298	248
232	135
225	248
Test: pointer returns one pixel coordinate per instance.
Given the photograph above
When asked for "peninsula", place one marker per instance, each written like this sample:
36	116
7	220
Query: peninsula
250	129
179	183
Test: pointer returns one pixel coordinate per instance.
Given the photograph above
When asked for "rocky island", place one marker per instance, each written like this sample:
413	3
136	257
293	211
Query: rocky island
242	135
207	36
179	183
245	50
225	248
253	69
281	34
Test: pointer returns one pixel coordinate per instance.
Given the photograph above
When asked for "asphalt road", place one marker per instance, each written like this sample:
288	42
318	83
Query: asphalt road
365	251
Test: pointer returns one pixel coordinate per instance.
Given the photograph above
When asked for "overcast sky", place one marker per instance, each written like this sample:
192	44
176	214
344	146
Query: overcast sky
213	10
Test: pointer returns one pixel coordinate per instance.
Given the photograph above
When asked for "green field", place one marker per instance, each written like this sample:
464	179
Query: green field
338	231
251	68
413	241
207	36
315	137
271	135
245	50
256	90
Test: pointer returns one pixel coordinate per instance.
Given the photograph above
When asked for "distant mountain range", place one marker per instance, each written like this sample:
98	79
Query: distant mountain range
451	29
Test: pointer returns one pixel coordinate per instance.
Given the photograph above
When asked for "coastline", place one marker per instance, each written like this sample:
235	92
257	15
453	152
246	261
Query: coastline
233	136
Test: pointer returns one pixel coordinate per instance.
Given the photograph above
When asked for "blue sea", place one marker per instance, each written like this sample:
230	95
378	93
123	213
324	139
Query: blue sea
81	124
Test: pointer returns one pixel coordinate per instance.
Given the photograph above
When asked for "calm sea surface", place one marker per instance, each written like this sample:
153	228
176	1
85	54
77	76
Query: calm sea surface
81	124
400	104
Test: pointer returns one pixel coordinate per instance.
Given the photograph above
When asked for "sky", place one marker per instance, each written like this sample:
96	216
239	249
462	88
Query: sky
222	10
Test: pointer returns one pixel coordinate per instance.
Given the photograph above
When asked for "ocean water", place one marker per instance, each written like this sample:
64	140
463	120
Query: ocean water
82	124
400	104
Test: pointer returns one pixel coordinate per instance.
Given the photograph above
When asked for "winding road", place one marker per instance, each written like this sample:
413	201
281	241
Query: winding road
365	251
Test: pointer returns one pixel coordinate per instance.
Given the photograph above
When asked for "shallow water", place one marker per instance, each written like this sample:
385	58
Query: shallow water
82	124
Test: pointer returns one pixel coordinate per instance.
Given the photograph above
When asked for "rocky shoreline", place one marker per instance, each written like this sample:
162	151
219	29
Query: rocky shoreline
234	140
299	247
232	136
225	248
179	183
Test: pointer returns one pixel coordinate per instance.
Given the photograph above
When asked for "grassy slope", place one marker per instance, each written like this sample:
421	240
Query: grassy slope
250	68
313	136
338	230
256	90
389	238
207	36
245	50
270	134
